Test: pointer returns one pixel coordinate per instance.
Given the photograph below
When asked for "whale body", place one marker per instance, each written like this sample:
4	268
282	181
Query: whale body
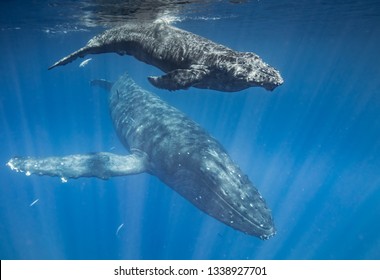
165	143
187	59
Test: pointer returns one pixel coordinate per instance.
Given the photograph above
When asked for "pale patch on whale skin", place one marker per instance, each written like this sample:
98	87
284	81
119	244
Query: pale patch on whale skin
85	62
118	229
165	143
34	202
188	60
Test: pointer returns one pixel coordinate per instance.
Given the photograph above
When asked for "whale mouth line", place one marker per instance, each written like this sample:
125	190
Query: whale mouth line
259	226
262	230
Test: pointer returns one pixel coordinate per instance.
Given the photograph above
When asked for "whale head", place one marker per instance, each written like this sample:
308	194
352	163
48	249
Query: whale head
210	180
243	206
250	70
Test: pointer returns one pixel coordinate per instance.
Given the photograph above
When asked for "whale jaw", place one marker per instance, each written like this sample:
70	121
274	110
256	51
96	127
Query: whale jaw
209	179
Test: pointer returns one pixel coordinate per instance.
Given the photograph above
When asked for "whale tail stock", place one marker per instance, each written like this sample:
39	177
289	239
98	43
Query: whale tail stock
73	56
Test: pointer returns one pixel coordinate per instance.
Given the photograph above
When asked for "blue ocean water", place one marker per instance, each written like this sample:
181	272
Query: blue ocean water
312	146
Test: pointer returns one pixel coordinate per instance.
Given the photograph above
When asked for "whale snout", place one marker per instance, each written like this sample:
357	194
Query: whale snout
274	80
257	216
262	227
268	234
266	77
257	73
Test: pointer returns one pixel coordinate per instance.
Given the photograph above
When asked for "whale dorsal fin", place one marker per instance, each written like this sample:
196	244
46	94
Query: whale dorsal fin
102	165
180	78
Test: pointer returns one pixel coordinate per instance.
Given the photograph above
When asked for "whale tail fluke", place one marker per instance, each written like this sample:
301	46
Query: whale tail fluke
102	83
71	57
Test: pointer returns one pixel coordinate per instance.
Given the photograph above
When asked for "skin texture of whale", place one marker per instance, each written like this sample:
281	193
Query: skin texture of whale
165	143
187	59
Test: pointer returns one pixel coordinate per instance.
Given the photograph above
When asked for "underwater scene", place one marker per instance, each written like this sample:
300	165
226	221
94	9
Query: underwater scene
169	129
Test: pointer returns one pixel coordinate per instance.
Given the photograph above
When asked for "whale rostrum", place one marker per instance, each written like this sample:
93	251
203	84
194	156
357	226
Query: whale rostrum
165	143
187	59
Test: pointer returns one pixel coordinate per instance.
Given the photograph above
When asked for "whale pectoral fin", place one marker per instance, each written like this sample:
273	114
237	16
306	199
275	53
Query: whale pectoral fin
102	165
180	78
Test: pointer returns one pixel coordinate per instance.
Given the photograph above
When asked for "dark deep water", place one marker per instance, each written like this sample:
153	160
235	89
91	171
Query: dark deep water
312	146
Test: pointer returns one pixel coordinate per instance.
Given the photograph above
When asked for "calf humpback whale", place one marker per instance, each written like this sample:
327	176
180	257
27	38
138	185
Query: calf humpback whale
187	59
165	143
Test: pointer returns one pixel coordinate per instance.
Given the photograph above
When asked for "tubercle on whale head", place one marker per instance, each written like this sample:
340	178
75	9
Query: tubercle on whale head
268	235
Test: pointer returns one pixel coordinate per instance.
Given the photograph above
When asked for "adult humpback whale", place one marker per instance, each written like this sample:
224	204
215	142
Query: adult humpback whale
187	59
165	143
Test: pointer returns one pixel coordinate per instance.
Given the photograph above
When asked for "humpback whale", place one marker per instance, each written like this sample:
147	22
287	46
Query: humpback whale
165	143
187	59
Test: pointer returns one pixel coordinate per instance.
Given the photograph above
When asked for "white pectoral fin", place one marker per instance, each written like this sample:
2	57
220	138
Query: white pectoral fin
102	165
180	78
